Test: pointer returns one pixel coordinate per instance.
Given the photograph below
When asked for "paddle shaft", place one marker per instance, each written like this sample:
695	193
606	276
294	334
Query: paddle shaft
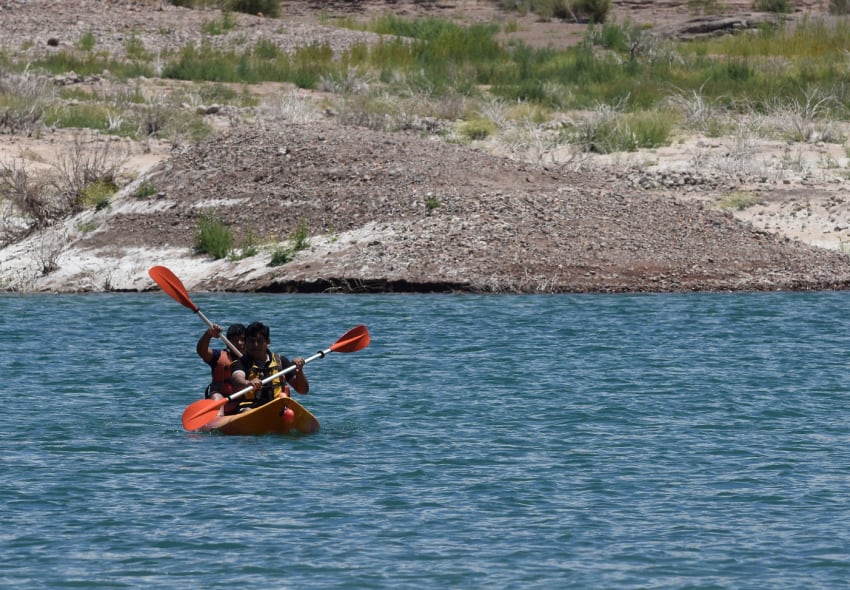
223	338
272	377
171	284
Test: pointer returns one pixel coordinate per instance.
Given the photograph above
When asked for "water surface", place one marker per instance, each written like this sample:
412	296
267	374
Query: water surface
570	441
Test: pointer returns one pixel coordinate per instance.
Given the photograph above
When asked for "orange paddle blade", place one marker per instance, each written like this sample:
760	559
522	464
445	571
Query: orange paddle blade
201	413
172	285
355	339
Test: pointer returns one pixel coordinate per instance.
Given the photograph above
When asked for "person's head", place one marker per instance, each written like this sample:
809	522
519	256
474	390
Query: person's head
257	340
236	335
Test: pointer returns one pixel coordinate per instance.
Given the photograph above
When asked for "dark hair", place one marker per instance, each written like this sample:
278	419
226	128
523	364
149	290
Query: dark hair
235	331
258	328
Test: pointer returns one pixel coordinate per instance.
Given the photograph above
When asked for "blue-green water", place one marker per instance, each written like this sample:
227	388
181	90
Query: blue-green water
659	441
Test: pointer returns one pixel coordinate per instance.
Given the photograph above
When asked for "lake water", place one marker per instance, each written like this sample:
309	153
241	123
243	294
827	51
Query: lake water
587	441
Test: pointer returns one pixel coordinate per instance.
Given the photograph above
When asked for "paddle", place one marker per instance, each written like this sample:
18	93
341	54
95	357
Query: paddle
201	412
172	285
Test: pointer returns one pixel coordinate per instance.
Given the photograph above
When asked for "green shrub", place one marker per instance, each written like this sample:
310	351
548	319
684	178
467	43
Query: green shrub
595	10
651	129
214	237
219	26
247	248
80	116
299	235
135	48
738	201
87	41
281	255
840	7
257	7
612	132
98	193
297	241
616	37
477	128
269	8
145	190
780	6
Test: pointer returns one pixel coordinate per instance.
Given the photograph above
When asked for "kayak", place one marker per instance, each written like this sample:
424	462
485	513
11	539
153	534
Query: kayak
266	419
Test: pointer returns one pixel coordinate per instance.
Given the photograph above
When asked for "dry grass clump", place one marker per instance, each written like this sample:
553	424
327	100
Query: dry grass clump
24	99
84	175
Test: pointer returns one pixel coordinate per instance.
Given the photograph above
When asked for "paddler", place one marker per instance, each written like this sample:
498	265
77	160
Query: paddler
258	363
221	361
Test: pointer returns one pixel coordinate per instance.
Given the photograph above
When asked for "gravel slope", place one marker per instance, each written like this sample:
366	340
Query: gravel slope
499	225
390	212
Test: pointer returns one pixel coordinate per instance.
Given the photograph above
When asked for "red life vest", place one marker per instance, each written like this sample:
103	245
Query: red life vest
221	375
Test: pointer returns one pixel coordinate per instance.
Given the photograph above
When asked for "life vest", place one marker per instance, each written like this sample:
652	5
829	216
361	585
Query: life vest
273	388
221	375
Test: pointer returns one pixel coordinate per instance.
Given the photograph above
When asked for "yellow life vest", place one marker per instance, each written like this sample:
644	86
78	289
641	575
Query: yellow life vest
270	390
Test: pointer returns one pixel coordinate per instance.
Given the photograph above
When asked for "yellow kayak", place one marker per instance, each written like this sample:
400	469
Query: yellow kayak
266	419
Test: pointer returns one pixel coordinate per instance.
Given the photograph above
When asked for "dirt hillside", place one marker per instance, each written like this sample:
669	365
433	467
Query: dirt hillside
390	211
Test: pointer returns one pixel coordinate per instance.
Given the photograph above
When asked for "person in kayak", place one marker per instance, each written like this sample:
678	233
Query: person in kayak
259	363
221	361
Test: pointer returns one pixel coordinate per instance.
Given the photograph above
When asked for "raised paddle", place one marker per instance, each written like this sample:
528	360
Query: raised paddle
172	285
203	411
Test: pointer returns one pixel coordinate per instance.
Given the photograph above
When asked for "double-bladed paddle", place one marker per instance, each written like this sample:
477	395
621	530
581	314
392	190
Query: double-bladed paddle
172	285
203	411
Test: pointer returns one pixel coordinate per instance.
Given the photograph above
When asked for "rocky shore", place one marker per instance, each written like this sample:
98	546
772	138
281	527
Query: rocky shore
405	211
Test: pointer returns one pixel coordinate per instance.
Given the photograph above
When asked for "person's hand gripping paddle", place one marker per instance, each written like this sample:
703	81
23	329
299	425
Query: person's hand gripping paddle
172	285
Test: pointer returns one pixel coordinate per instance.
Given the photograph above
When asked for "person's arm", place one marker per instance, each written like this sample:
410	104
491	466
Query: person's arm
203	347
298	380
239	381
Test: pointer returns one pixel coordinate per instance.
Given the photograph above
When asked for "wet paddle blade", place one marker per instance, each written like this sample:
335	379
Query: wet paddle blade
201	413
171	284
355	339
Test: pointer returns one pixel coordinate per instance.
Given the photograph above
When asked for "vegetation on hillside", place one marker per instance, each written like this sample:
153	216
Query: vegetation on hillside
624	88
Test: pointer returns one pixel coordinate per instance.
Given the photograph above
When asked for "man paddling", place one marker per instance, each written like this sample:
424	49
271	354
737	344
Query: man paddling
258	363
221	361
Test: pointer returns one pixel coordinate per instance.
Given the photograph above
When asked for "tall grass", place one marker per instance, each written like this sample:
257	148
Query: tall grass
444	59
214	236
444	64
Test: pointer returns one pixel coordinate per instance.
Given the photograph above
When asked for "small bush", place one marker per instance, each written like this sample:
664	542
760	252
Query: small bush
219	26
83	170
98	193
297	241
28	195
281	255
779	6
840	7
257	7
477	128
87	41
135	48
247	248
269	8
611	132
214	237
738	201
80	116
145	190
595	10
299	236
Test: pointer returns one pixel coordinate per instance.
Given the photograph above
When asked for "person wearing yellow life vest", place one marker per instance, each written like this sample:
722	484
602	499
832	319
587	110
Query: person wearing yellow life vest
221	360
259	363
